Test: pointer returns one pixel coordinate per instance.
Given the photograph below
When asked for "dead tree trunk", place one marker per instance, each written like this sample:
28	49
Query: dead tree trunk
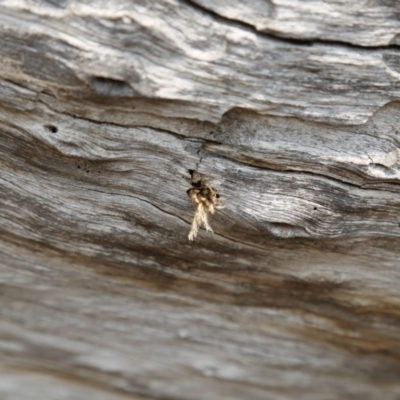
289	110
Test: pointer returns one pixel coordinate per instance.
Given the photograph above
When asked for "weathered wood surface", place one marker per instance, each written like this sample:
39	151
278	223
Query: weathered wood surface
104	106
364	23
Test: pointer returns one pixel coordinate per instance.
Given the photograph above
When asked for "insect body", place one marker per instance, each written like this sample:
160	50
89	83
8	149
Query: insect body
205	199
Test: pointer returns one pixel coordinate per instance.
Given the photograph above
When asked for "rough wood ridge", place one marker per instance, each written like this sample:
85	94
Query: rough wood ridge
290	109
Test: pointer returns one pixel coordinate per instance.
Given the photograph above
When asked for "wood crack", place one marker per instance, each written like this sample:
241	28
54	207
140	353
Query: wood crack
284	38
213	149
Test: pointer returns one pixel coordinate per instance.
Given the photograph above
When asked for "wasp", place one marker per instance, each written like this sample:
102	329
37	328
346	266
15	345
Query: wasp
205	200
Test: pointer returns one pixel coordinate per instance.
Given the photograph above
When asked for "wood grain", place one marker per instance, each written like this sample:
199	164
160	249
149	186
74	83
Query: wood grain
364	23
154	50
103	109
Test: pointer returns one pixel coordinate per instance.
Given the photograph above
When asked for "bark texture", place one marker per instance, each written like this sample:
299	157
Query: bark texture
290	109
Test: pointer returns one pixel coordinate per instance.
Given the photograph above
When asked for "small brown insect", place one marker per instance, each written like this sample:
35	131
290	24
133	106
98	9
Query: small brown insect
205	199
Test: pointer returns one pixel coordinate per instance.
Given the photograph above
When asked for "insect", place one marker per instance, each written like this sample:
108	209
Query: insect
205	200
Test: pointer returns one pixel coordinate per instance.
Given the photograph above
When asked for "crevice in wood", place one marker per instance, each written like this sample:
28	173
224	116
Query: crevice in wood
213	148
280	38
144	201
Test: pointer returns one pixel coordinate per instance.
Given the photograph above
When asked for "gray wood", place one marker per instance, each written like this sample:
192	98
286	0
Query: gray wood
366	23
104	106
